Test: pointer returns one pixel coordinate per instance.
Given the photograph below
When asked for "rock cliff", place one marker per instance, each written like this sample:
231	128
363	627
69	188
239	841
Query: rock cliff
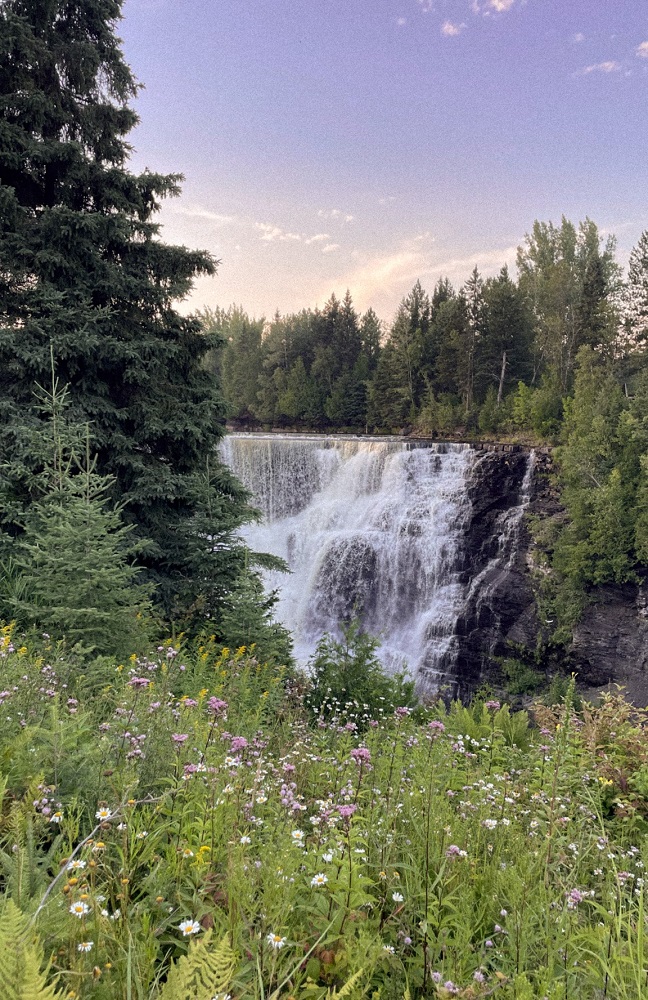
610	643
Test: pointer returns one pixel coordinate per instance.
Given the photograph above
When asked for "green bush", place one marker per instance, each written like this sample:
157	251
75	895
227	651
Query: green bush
349	682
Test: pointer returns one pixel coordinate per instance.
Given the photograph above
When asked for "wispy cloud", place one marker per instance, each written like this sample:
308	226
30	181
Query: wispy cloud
317	238
609	66
487	7
196	212
400	21
458	268
642	50
450	30
270	233
331	248
335	213
380	279
578	37
381	276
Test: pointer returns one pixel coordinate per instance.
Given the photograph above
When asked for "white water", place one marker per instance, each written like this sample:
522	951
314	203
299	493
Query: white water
371	527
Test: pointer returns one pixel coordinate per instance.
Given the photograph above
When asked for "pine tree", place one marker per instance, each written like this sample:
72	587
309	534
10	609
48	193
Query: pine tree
636	304
238	362
70	569
82	272
503	354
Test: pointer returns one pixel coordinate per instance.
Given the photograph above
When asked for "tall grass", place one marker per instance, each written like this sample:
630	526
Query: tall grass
188	797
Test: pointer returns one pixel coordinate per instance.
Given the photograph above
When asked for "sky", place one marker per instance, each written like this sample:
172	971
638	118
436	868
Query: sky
365	144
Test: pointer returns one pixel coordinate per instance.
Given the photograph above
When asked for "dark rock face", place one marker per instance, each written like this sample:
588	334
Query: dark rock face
610	643
499	594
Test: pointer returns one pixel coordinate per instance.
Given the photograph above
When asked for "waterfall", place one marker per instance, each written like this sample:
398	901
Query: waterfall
371	528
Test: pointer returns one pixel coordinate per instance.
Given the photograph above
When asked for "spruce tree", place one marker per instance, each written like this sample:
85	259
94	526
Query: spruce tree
69	572
636	305
83	273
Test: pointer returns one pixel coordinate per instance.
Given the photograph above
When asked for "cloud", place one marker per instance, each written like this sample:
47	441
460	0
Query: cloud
382	279
426	5
196	212
400	21
334	213
331	248
450	30
379	277
642	50
609	66
272	233
317	238
578	37
488	7
387	199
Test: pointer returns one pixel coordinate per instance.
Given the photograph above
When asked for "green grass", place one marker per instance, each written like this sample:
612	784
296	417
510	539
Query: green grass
462	852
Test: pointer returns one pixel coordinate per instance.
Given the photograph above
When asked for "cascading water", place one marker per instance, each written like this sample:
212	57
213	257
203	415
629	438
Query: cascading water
368	528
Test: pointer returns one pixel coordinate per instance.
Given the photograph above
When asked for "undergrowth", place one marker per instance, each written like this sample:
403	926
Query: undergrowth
182	826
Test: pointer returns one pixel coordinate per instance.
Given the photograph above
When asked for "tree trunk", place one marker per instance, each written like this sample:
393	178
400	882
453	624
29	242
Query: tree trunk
500	391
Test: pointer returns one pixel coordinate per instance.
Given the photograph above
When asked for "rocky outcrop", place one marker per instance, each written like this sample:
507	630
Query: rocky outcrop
499	594
610	643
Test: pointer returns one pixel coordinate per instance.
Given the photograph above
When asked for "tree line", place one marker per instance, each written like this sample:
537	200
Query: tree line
556	354
496	353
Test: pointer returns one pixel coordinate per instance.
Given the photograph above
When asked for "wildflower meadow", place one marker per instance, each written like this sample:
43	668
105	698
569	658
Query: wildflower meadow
181	825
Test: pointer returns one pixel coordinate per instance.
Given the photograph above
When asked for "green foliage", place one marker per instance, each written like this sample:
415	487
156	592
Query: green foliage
21	959
247	620
521	677
347	679
601	471
568	278
205	971
70	573
539	409
199	806
85	275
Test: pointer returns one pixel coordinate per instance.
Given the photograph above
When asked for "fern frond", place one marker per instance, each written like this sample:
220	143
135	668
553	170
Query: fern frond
348	987
407	995
21	958
202	972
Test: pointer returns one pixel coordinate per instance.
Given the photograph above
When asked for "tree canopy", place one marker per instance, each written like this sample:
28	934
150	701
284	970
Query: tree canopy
84	276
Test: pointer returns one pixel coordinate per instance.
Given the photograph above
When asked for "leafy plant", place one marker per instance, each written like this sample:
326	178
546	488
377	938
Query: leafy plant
347	679
203	972
23	973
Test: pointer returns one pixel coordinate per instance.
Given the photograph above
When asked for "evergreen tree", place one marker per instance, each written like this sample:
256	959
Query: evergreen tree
473	292
636	298
239	360
82	271
371	337
406	346
451	331
70	572
503	353
247	619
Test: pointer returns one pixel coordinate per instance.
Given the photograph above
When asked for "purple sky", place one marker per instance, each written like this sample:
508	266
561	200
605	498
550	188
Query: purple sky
329	144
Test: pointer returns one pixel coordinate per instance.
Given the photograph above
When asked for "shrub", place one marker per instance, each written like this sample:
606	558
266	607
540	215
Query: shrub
348	680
